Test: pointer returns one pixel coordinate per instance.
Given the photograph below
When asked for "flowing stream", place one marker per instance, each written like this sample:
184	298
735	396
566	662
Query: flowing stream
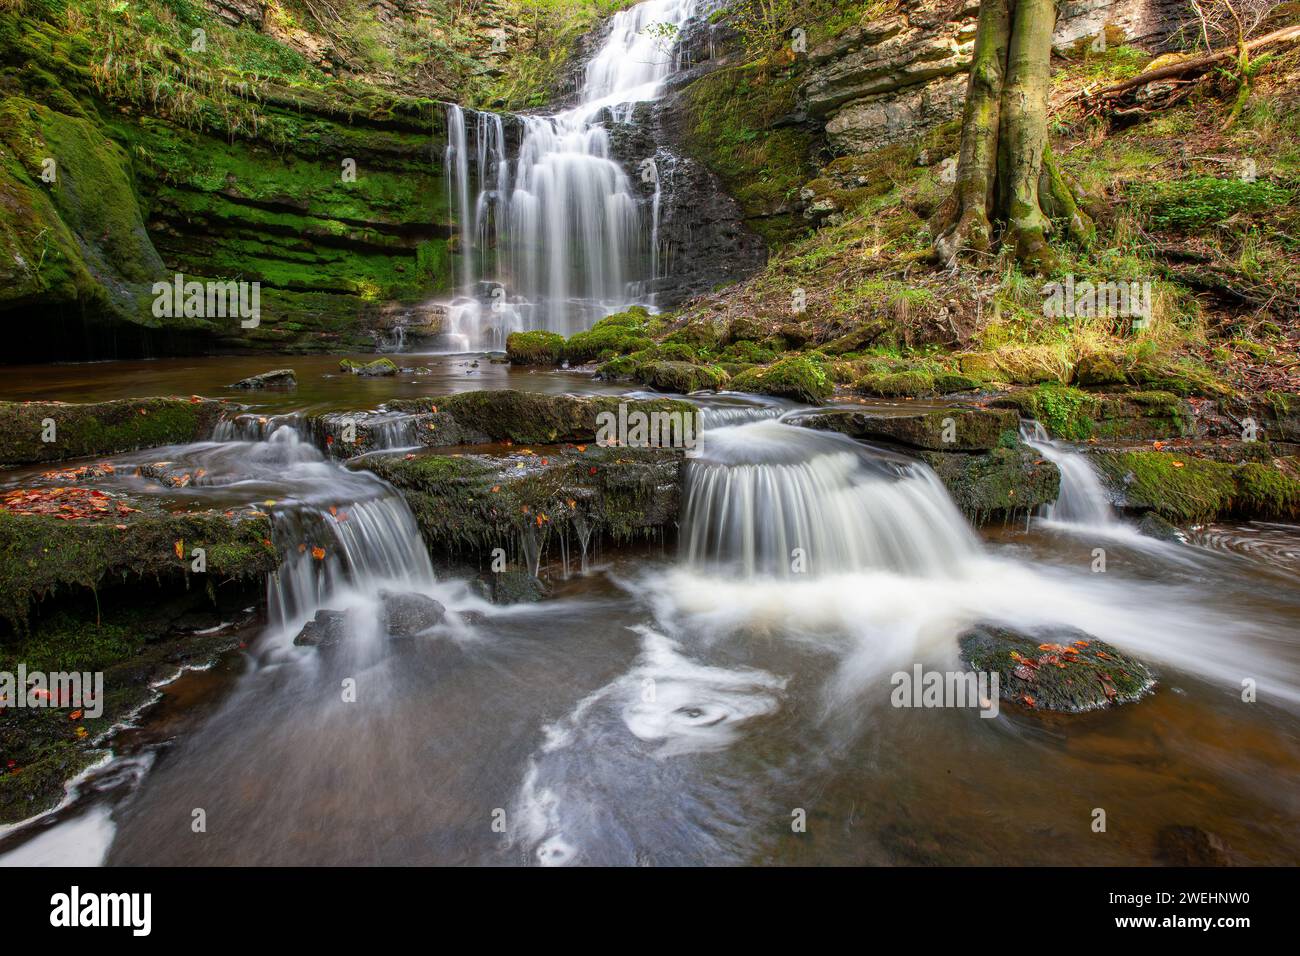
724	698
557	236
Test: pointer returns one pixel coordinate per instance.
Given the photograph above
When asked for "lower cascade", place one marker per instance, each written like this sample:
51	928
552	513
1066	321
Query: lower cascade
768	498
1082	499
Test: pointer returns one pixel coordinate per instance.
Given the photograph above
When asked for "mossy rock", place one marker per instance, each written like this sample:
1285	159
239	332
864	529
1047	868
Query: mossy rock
471	418
1010	479
100	428
744	329
41	555
796	377
605	341
1099	368
1184	489
472	504
909	384
947	383
1062	669
1143	416
700	334
681	377
948	429
377	368
863	336
535	348
981	366
1065	412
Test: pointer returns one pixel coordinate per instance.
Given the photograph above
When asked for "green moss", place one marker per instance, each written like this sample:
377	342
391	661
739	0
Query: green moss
796	377
945	383
1184	489
603	341
1065	412
535	348
681	377
896	384
103	428
41	555
732	128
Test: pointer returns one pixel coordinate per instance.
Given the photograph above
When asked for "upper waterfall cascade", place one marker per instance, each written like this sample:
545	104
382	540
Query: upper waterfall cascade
558	238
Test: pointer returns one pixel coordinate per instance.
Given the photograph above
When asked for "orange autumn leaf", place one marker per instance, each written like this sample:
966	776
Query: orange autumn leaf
179	548
75	715
318	553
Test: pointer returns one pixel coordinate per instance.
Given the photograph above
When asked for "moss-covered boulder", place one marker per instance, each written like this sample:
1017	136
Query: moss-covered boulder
944	429
471	504
33	432
475	418
43	556
1061	669
681	377
377	368
1065	412
911	383
796	377
1010	479
618	334
535	348
1181	487
947	383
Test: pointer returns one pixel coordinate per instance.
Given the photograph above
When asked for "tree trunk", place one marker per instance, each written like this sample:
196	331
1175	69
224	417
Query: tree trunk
964	215
1006	178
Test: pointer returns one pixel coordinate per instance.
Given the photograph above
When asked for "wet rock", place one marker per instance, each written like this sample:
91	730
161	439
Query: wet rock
378	367
326	629
945	429
515	587
471	504
280	378
1180	845
1011	479
33	432
409	613
1184	483
1154	526
1058	669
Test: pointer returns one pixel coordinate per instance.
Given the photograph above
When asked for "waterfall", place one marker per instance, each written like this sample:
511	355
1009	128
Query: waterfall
1082	499
345	535
769	499
558	241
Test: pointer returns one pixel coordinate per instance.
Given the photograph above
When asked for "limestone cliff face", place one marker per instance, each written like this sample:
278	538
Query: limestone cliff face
894	79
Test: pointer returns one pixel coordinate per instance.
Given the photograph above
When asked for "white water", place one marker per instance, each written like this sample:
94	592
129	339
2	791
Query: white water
560	240
1082	499
768	498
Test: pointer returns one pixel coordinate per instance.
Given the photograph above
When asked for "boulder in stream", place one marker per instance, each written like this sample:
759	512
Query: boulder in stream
279	378
407	613
1062	670
383	366
326	629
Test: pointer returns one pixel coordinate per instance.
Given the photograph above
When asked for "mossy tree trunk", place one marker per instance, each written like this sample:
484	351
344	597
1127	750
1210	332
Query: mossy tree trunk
1006	179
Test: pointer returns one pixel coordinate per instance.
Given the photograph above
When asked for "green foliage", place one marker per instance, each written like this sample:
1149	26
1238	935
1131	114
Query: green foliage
1202	201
